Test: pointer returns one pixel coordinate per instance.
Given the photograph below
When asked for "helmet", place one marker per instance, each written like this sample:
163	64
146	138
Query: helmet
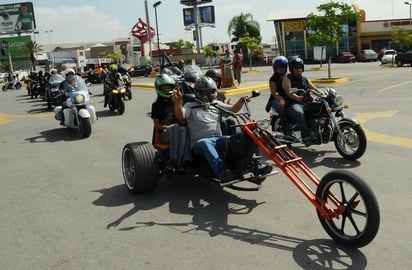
296	62
216	75
279	61
205	83
53	71
113	67
69	71
164	80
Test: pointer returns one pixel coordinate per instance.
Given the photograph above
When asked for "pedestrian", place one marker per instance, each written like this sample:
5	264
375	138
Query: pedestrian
237	66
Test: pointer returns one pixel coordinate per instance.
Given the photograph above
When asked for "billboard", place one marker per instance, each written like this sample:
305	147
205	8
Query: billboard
16	47
207	15
17	18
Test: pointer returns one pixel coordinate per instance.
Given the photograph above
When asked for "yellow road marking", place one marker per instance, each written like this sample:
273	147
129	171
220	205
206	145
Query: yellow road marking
379	137
7	118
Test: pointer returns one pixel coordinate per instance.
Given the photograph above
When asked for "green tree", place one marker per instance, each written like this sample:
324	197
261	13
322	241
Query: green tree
327	29
32	49
181	44
401	37
113	55
252	43
241	25
209	52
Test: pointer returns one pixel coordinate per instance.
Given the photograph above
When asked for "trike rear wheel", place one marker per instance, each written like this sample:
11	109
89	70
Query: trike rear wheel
358	224
139	166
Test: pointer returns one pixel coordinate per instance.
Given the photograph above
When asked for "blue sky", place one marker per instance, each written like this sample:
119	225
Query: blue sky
106	20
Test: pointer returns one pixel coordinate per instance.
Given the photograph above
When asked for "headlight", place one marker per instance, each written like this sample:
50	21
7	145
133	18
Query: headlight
122	90
79	99
115	91
338	100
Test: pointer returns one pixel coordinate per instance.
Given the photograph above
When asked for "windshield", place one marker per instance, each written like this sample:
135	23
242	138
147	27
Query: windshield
77	84
56	78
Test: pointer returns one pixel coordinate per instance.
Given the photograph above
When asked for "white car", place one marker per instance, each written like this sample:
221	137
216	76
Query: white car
389	57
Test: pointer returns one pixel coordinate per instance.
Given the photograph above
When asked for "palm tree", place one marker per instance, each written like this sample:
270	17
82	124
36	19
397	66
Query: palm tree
33	48
242	24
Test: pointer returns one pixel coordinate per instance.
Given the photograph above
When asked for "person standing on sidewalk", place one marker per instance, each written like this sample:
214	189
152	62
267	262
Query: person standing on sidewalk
237	66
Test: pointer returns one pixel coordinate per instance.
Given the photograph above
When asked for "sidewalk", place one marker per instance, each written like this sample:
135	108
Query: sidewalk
148	84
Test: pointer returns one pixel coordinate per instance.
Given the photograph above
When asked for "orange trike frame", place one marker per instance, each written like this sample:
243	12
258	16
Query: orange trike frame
292	166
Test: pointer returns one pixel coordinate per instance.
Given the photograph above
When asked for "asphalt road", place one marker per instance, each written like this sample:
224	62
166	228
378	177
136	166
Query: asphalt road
63	204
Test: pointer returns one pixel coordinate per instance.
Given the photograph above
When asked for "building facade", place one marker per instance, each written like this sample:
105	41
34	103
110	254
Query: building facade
292	34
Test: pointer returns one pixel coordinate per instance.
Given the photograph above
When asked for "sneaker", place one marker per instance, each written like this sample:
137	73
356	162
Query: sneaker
227	176
265	170
308	142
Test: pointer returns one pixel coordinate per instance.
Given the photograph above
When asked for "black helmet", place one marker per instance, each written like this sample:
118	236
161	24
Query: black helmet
216	75
296	62
205	83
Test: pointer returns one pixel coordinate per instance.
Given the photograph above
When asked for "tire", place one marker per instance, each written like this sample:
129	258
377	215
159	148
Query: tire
120	106
18	86
356	138
358	224
85	127
139	167
129	94
399	63
4	88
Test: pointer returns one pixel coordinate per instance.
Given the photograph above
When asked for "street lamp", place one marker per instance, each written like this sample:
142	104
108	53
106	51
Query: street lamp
155	5
410	4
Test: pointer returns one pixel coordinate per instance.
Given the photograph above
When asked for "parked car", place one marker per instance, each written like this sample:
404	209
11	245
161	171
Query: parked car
389	57
143	70
404	58
346	57
368	55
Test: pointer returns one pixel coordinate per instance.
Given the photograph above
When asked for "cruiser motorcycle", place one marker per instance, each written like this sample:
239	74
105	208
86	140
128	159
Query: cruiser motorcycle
346	206
326	119
77	111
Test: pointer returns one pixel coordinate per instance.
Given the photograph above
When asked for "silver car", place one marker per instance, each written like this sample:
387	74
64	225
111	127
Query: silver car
368	55
389	57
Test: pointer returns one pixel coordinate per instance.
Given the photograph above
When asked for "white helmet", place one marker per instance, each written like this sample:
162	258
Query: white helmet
67	71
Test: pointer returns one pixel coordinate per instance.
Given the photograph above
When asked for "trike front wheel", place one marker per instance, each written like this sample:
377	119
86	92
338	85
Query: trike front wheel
358	223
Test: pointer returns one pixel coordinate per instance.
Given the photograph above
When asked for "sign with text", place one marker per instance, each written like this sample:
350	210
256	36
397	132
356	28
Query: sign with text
16	46
206	14
17	18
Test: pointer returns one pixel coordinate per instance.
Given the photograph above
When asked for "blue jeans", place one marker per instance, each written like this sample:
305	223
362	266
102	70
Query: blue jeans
208	147
295	110
175	136
281	110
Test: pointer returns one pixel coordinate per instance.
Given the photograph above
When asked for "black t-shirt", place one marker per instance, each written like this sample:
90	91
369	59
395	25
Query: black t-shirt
164	110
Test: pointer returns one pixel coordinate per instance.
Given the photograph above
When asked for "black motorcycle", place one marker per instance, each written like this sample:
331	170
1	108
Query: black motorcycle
115	96
11	85
327	121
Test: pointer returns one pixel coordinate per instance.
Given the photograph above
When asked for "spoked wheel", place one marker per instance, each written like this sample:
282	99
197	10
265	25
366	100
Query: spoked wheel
353	144
139	167
358	224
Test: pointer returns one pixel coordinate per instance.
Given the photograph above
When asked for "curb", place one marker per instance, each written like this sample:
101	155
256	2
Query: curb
332	80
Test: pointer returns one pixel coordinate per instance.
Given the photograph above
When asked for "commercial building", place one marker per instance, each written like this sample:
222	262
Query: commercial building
291	35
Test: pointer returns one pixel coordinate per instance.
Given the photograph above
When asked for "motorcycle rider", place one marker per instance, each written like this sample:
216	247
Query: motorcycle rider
66	85
203	120
113	80
295	101
163	115
278	97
